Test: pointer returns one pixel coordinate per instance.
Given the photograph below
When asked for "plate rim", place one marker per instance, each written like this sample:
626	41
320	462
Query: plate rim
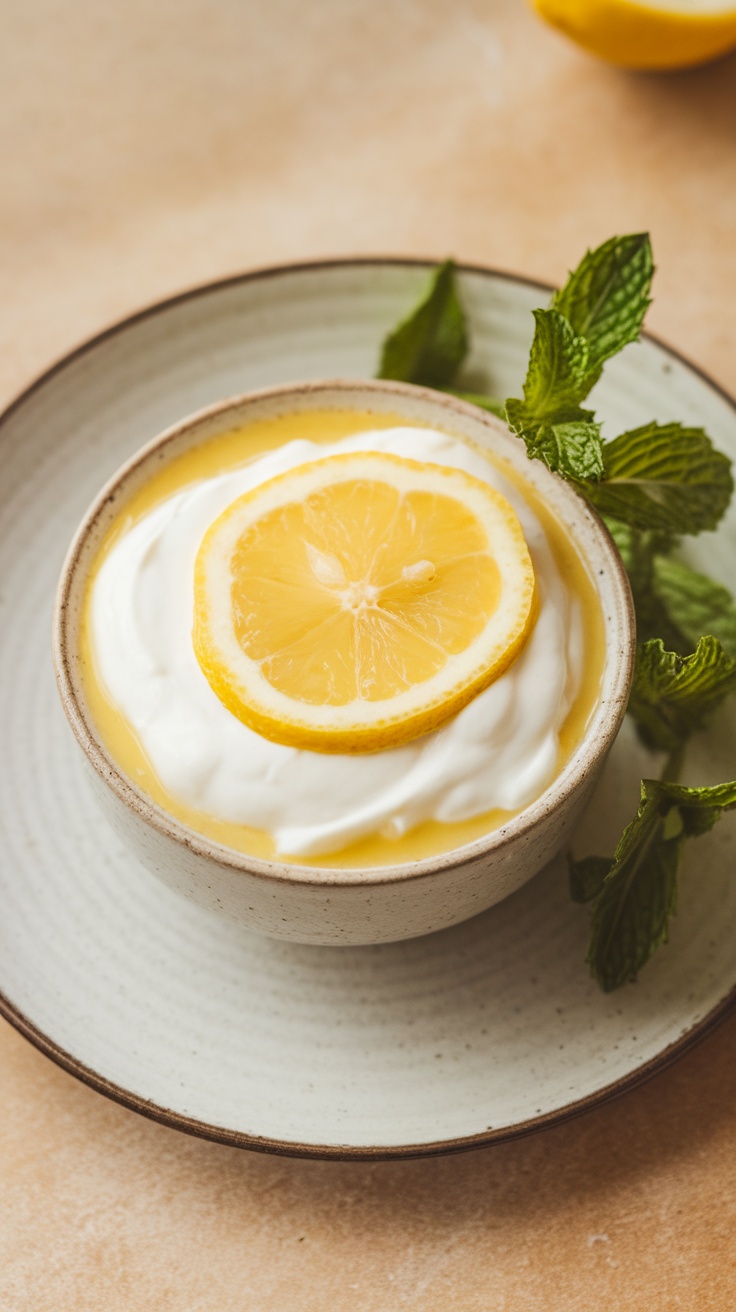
292	1148
347	1152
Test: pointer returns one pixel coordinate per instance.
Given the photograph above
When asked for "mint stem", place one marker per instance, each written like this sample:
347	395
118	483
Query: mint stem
673	765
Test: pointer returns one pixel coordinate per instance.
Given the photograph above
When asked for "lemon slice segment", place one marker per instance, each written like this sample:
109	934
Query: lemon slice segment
646	33
356	602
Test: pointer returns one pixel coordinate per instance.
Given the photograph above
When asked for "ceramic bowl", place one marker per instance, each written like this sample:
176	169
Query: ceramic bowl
349	906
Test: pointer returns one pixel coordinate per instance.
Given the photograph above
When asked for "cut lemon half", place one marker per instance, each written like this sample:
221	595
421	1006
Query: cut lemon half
651	34
357	602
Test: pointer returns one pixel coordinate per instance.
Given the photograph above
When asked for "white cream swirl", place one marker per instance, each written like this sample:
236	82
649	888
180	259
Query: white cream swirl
499	752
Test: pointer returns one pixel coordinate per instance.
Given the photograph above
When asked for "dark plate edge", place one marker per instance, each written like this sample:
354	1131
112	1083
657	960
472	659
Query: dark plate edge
309	266
346	1153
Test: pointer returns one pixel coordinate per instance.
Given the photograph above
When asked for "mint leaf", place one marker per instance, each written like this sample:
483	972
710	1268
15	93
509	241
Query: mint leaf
638	551
672	601
550	419
694	603
673	695
664	477
571	449
545	440
639	894
429	346
598	311
587	876
699	808
606	297
558	364
635	894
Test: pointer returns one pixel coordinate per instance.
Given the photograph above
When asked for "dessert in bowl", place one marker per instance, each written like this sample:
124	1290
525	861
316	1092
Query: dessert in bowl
325	749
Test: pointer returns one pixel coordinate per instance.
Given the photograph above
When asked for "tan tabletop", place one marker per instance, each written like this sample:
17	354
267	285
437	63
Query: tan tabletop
152	144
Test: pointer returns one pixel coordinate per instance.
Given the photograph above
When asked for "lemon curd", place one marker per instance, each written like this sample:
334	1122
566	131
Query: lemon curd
231	451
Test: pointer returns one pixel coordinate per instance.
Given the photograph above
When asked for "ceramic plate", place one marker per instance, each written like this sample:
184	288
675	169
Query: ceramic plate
482	1032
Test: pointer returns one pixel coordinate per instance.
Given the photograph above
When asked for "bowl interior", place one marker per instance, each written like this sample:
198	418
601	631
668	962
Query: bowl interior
414	404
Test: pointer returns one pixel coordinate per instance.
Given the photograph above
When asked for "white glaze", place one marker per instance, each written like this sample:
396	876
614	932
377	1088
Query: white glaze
500	752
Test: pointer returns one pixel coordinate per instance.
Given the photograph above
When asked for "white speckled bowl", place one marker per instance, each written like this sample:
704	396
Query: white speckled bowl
343	906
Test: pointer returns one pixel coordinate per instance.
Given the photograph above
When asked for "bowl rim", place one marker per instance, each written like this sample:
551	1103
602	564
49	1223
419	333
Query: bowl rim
600	731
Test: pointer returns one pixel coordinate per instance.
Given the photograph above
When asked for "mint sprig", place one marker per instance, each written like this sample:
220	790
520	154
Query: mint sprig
634	893
556	378
598	312
569	447
694	603
673	601
429	346
653	485
606	297
673	696
550	418
640	553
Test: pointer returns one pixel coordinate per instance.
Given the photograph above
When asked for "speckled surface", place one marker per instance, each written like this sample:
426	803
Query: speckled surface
146	148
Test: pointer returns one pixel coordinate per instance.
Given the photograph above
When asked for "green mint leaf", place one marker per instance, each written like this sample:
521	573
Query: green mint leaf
673	695
429	346
587	876
549	418
606	297
637	548
483	402
522	420
571	449
639	895
672	601
664	477
638	551
699	808
558	365
694	603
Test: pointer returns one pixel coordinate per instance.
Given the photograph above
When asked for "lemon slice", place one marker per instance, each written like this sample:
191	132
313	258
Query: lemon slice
657	34
356	602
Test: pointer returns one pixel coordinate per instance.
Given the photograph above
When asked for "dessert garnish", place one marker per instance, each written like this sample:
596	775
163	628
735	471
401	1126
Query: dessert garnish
359	601
654	485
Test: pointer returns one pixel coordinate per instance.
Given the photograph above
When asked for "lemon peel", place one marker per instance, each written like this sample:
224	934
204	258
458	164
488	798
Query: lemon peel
359	601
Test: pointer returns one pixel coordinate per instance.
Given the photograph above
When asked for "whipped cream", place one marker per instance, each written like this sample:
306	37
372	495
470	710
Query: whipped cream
501	751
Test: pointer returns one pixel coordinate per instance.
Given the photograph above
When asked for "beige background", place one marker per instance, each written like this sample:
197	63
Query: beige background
146	145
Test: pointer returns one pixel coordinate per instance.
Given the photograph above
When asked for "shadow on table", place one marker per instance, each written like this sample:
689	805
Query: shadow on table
698	100
637	1152
675	1117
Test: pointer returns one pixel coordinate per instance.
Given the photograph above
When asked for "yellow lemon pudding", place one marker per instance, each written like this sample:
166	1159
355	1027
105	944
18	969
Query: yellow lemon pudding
340	637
